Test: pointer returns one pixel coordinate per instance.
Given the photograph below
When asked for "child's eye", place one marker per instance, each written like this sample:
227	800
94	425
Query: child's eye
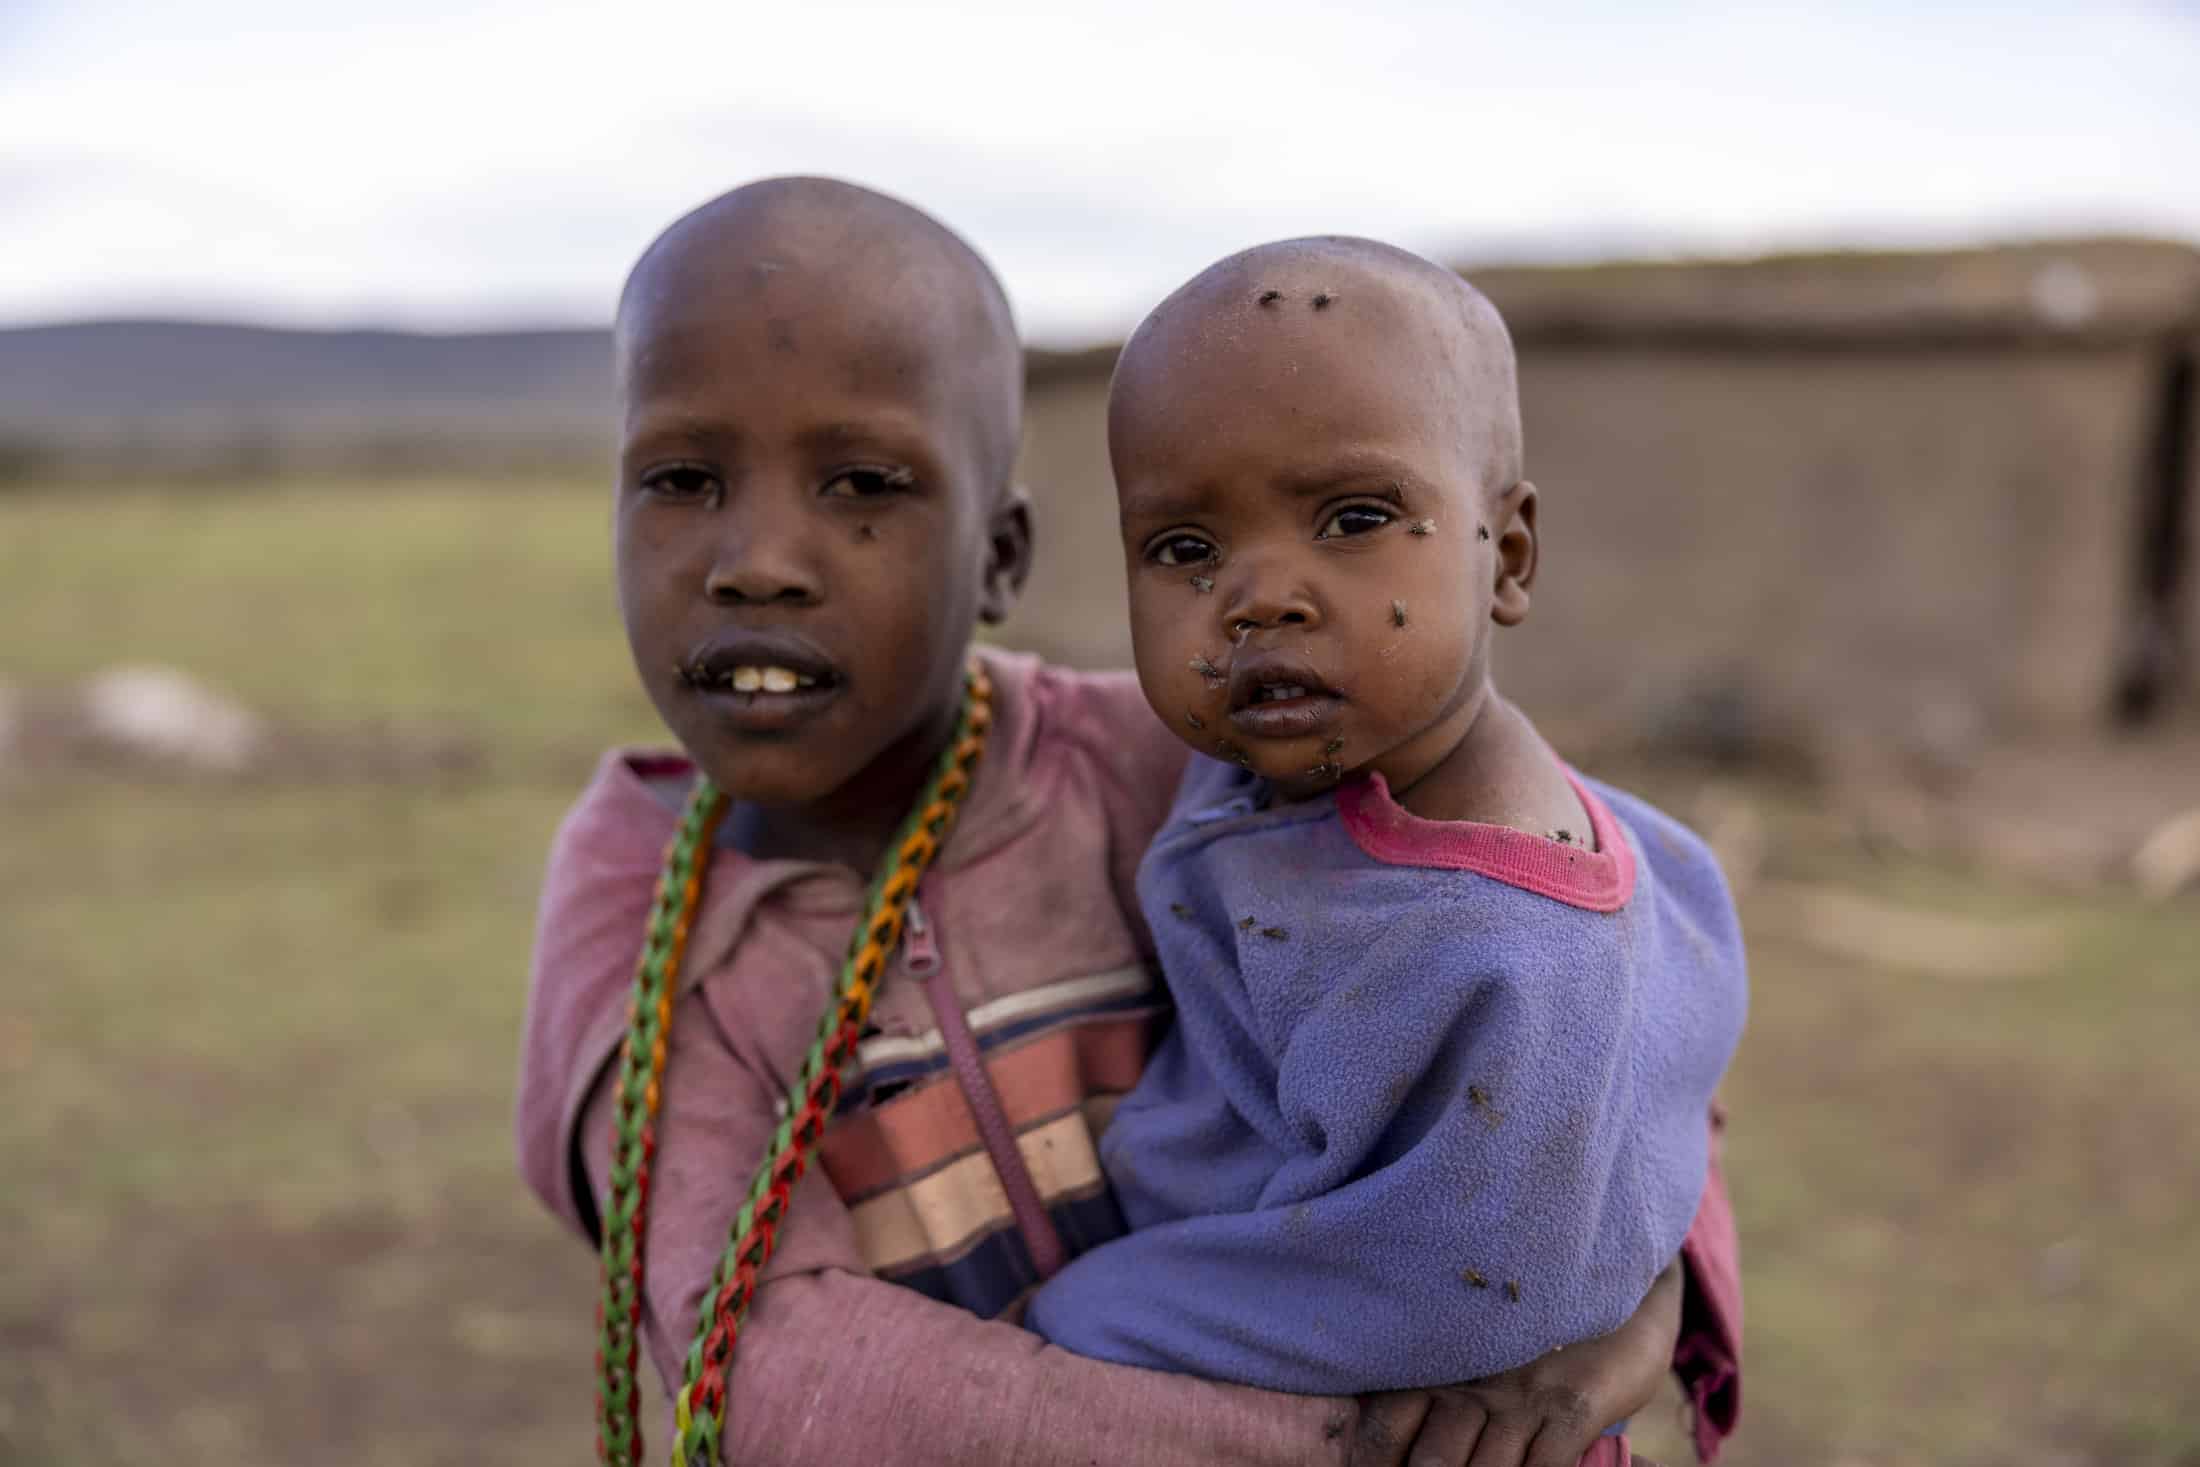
867	482
680	481
1181	550
1353	519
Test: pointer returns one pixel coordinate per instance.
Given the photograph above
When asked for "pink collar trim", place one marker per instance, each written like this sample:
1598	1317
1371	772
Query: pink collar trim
1599	880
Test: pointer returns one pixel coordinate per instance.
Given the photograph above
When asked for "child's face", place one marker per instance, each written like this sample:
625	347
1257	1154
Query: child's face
809	520
1315	549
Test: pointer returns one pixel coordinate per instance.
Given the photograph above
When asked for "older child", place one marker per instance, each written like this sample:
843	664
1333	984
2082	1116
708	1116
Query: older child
1449	1015
822	394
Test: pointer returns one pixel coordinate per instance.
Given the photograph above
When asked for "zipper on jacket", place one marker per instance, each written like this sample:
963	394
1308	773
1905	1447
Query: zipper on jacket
920	950
921	960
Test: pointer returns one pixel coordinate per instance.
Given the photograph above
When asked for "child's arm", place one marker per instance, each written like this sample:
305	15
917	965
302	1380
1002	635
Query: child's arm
930	1383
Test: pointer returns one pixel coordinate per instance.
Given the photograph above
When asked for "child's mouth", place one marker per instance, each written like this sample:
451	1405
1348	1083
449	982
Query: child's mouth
1277	696
761	682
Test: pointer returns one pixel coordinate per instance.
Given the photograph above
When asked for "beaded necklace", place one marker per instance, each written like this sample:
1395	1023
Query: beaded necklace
699	1411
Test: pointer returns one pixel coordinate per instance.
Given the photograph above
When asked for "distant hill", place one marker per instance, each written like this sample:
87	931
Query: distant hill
163	398
169	396
105	371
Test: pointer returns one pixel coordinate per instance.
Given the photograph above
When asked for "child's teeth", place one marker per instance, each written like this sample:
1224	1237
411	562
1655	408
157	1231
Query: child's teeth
768	680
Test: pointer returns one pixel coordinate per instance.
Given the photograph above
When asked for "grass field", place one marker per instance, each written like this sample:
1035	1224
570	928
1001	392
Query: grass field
257	1042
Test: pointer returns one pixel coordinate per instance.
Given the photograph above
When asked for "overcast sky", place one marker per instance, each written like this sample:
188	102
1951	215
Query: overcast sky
438	164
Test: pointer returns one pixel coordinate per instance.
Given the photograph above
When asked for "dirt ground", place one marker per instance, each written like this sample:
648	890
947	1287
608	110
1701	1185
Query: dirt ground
257	1040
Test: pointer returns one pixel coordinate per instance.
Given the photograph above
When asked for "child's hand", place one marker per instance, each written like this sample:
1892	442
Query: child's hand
1547	1413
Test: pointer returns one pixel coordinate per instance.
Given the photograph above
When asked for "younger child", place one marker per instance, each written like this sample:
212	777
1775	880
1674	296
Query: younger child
1449	1016
821	393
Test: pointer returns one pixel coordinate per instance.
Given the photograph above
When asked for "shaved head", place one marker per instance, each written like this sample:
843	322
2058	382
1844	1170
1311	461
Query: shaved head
1422	306
934	300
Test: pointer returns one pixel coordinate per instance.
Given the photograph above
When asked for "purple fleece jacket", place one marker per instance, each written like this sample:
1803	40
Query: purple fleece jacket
1434	1103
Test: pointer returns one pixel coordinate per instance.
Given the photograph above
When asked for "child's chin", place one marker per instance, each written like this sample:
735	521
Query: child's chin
772	774
1305	783
1297	769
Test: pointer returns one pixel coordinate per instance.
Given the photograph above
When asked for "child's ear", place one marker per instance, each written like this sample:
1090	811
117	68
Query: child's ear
1516	554
1007	556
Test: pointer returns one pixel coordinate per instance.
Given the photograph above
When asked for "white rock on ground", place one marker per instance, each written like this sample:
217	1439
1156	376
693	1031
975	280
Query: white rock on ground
2168	861
162	713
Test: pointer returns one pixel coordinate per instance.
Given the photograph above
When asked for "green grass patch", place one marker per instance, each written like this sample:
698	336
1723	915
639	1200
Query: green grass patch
486	610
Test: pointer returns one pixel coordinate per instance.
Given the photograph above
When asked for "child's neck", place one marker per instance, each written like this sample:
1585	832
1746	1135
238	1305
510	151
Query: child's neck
852	825
1499	773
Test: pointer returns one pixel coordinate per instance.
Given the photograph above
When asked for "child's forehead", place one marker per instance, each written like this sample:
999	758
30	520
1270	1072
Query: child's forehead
1300	313
722	341
794	305
793	321
1313	347
1288	383
763	378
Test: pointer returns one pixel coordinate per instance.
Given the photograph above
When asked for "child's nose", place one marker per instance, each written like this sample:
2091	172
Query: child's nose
759	562
1268	594
755	582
